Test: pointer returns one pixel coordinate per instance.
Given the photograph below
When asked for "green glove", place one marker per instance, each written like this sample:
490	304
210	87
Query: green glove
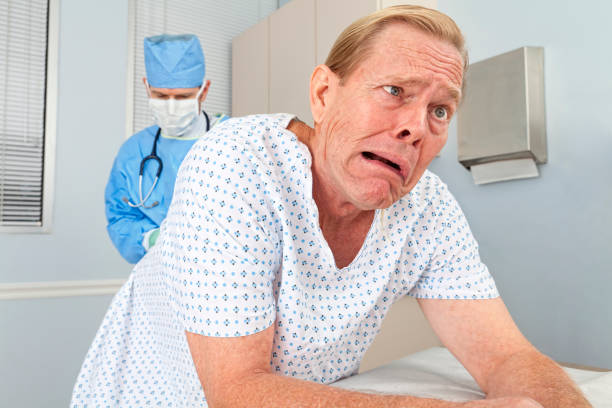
149	238
153	237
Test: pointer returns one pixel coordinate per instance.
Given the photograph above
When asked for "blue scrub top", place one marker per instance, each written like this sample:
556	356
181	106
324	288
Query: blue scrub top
126	225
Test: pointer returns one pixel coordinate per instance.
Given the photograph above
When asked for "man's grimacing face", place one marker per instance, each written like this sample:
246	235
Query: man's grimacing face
390	118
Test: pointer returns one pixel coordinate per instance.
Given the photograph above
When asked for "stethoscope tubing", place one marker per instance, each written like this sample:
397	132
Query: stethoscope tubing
160	166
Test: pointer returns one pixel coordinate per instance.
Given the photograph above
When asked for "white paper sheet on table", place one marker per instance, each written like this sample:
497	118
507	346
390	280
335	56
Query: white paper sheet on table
435	373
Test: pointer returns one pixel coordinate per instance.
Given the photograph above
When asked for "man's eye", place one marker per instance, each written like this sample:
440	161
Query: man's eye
440	112
392	90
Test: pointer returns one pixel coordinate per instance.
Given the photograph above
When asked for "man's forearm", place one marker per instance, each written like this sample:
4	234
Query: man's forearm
270	390
534	375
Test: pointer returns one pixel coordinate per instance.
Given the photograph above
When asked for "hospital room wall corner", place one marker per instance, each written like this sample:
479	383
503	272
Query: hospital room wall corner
547	240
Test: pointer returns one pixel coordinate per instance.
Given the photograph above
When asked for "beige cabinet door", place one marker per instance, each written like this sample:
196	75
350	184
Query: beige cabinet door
292	58
333	16
404	331
250	67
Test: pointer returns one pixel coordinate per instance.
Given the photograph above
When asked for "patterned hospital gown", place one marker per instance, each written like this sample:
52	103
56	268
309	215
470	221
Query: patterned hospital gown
241	249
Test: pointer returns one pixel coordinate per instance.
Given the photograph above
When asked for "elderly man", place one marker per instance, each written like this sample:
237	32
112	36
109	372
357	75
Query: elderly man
285	246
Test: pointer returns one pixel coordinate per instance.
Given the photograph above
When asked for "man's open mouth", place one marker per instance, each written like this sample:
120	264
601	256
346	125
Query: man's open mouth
393	165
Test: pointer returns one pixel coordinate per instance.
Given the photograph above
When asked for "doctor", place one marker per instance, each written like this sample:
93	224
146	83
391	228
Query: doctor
141	182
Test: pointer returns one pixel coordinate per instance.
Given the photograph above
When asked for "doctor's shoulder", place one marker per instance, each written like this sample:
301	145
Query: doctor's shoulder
145	134
217	118
139	142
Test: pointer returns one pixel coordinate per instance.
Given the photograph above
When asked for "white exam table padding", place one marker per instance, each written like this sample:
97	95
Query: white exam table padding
435	373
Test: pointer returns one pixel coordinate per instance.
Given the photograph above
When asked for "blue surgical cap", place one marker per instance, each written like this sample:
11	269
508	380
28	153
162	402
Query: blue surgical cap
174	61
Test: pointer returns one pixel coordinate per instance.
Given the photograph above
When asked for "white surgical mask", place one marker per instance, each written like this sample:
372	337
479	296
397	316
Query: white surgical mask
175	117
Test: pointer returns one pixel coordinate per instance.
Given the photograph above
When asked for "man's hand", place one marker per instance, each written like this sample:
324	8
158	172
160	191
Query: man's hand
150	238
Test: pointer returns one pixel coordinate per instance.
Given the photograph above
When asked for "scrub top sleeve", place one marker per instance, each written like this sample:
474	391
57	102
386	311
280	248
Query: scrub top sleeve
220	243
455	270
126	225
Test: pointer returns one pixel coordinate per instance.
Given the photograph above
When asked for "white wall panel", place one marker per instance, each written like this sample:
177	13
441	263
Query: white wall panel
250	71
333	16
292	58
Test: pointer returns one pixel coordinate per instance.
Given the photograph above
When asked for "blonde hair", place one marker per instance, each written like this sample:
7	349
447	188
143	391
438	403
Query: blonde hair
355	42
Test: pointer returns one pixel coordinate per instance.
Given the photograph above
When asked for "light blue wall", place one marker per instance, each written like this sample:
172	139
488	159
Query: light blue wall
548	241
42	345
43	341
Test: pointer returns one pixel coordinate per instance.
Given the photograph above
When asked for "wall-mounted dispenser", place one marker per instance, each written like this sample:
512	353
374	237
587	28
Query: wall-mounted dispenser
502	119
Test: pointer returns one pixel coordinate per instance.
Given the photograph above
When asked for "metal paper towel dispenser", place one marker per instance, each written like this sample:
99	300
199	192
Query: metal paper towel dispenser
502	119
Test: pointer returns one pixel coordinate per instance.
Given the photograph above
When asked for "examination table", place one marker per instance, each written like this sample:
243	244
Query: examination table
435	373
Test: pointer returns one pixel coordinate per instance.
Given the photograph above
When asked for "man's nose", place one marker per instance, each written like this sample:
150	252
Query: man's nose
412	125
171	106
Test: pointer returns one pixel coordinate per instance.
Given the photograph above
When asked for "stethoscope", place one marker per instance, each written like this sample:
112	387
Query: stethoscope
160	165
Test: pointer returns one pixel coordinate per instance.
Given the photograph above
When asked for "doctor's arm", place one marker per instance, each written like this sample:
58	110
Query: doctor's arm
484	338
126	225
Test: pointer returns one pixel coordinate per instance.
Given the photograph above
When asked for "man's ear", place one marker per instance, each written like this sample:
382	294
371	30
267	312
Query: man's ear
144	81
322	85
204	91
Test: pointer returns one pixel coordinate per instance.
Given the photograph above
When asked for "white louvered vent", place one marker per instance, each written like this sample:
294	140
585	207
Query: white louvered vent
214	22
23	74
